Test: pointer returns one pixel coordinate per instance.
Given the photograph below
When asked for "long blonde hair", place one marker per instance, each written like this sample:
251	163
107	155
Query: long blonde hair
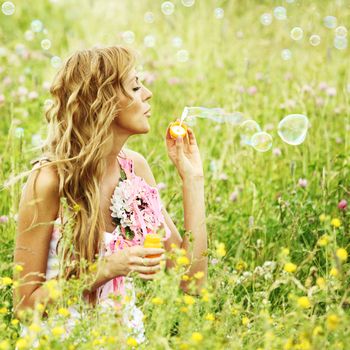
86	93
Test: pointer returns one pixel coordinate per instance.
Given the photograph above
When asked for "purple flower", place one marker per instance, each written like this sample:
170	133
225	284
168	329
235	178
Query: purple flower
277	152
233	196
342	204
4	219
302	182
149	77
241	89
214	261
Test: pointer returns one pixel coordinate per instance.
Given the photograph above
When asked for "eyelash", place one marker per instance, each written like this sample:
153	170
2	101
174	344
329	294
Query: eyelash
137	88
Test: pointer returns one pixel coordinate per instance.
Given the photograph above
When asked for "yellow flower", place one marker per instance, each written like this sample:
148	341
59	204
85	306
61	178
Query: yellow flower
304	302
185	277
182	260
131	342
209	317
14	322
245	321
198	275
18	268
342	254
63	312
3	310
323	240
284	251
290	267
57	331
336	222
189	300
196	337
221	250
4	345
323	217
22	343
241	265
157	301
6	281
76	207
317	330
35	328
321	282
183	309
173	246
334	272
332	322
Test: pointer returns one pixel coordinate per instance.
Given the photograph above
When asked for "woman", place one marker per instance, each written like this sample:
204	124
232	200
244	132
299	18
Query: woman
98	103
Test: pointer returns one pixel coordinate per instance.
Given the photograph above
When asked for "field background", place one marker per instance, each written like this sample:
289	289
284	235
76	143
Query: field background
268	209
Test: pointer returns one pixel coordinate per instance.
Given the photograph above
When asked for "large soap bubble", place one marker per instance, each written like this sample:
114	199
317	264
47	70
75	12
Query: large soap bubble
293	129
247	129
261	141
8	8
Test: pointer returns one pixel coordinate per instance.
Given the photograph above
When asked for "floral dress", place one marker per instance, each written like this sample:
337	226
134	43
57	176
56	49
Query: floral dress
137	210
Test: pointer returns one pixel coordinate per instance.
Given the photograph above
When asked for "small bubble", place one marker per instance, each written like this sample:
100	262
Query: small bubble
219	13
330	22
341	32
36	26
176	42
45	44
247	129
266	19
182	55
261	141
149	41
293	129
56	61
296	33
128	36
8	8
315	40
340	43
148	17
167	8
286	54
280	13
188	3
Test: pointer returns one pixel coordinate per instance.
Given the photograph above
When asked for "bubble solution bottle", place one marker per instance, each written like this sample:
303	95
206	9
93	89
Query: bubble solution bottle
153	240
178	129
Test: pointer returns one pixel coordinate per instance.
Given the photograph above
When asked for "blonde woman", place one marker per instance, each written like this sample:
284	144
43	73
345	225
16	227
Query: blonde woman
98	103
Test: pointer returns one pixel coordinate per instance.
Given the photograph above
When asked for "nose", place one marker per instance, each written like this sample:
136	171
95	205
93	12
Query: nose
147	93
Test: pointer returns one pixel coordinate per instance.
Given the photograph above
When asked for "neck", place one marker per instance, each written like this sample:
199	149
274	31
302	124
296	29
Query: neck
118	141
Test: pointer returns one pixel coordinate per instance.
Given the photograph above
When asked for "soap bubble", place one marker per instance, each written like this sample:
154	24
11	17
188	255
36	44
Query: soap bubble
266	19
128	36
37	26
29	35
261	141
45	44
182	55
340	43
188	3
37	141
176	41
315	40
286	54
219	13
280	13
167	8
8	8
148	17
56	61
296	33
247	129
216	114
330	22
149	41
293	129
341	31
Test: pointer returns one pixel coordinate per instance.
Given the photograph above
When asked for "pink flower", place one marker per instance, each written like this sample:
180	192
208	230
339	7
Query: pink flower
149	77
214	261
306	88
161	186
4	219
2	98
302	182
259	76
276	152
319	101
331	91
322	85
33	95
223	176
233	196
342	204
252	90
241	89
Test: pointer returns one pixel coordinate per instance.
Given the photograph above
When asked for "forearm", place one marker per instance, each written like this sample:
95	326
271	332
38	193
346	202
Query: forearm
195	221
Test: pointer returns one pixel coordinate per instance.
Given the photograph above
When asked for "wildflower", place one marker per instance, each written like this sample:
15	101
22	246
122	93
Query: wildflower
18	268
302	183
189	300
332	322
252	90
131	341
241	265
245	321
22	343
209	317
323	241
76	208
331	91
4	345
277	152
34	327
290	267
323	217
220	250
321	282
6	281
198	275
342	204
3	310
184	309
57	331
233	196
334	272
214	261
196	337
342	254
185	277
4	219
317	330
161	186
304	302
157	301
284	251
182	260
336	222
63	312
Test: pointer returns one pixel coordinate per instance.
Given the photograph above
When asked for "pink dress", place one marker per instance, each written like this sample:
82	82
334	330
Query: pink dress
123	286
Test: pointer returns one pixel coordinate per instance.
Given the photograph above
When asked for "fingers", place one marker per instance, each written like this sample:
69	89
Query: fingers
191	137
142	251
150	276
146	261
145	269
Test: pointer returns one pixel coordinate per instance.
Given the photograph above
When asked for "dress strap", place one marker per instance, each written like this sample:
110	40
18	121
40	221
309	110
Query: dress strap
126	164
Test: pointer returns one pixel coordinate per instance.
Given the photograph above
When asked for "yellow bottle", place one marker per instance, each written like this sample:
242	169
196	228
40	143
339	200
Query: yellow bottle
152	240
177	130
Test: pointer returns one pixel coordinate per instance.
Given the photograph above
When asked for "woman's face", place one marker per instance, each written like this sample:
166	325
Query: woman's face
133	116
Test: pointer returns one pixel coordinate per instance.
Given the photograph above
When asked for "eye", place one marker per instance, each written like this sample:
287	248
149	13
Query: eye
136	88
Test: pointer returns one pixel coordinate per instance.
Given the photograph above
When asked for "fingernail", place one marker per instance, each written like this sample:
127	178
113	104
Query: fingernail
178	139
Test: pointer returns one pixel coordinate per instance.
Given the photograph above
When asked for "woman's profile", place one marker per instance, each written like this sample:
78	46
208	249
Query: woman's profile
98	102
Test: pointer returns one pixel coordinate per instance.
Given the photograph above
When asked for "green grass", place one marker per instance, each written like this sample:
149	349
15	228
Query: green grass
252	307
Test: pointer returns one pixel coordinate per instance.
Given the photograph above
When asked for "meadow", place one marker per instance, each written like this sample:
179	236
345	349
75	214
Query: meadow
277	221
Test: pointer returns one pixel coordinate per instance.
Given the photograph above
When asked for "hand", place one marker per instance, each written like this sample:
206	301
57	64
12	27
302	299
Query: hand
133	258
184	154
